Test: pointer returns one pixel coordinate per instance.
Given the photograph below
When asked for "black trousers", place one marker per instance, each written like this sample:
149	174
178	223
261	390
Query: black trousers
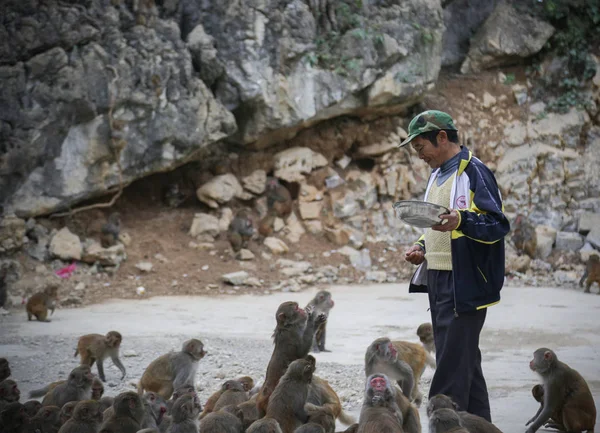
458	373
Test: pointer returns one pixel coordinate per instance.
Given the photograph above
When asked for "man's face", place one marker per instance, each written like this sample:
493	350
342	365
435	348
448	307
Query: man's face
429	153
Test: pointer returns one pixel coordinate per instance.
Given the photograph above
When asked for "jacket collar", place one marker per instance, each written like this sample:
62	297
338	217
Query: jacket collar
465	158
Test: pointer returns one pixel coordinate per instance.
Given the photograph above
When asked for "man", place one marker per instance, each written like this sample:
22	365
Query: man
461	260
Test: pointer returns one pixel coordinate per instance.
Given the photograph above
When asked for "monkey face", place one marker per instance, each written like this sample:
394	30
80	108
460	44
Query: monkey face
378	383
113	339
542	360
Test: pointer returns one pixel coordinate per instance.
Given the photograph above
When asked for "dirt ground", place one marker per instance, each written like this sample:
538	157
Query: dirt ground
236	331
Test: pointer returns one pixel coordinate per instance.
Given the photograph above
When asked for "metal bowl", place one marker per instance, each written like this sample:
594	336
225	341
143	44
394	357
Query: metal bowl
418	213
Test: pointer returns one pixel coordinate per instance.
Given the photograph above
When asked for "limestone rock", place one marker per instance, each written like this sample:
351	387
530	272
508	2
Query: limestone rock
66	245
505	37
245	254
586	251
144	266
291	164
277	246
204	55
225	220
313	226
204	224
488	100
255	182
546	237
569	241
310	210
294	229
236	278
309	193
593	237
587	221
221	189
278	225
112	256
377	276
12	232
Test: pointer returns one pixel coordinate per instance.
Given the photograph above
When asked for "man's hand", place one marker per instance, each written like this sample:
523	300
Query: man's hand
449	222
415	255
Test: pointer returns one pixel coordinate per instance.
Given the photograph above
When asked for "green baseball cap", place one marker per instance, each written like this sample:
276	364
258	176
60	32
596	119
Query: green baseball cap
430	120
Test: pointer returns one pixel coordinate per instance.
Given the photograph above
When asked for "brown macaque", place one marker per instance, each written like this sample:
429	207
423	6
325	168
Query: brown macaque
173	370
279	199
13	418
9	392
155	408
184	415
97	389
45	390
249	411
227	420
566	395
445	421
32	407
76	388
86	418
266	225
39	304
411	421
591	274
234	394
46	420
4	369
264	425
555	420
380	412
186	389
473	423
524	236
96	348
66	412
322	397
287	401
382	357
311	427
425	334
109	234
321	419
293	337
128	414
415	355
321	303
240	230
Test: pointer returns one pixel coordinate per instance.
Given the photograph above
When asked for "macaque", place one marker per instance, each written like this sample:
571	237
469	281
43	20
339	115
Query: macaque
97	389
425	334
240	230
382	357
128	414
380	412
46	420
591	274
155	408
4	369
110	231
415	355
39	304
287	401
9	392
524	236
566	395
445	421
293	337
13	418
311	427
66	412
279	199
234	394
86	418
173	370
473	423
322	398
184	415
321	303
32	407
76	388
320	419
264	425
96	348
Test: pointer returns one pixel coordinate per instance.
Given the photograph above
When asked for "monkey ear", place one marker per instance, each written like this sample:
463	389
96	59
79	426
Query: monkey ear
281	316
547	354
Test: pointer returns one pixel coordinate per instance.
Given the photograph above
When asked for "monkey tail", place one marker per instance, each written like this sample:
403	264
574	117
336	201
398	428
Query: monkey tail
38	392
346	418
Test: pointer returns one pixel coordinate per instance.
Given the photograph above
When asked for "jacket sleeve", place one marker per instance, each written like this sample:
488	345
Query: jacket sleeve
421	242
484	221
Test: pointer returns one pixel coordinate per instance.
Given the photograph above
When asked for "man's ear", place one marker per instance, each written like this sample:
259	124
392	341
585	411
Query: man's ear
442	137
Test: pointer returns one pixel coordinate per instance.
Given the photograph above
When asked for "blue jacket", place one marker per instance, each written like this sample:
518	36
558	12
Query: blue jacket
477	244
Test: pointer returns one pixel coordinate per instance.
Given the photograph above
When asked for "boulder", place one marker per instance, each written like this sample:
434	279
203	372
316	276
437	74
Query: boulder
65	245
221	189
277	246
310	210
255	182
291	164
588	221
12	233
569	241
546	237
112	256
507	36
236	278
205	224
294	229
